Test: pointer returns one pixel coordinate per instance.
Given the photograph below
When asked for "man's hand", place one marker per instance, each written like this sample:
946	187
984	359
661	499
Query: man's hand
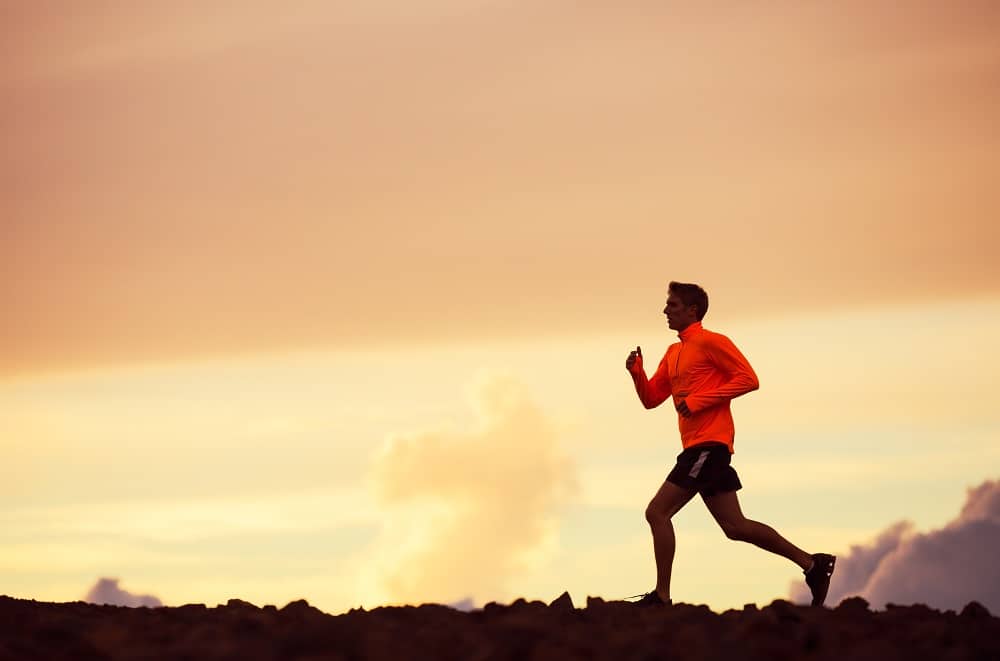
682	407
634	361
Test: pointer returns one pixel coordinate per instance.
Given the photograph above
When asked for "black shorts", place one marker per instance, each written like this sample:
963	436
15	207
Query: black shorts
705	468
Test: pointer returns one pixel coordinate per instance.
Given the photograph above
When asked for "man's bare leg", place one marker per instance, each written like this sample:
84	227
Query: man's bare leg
725	507
667	502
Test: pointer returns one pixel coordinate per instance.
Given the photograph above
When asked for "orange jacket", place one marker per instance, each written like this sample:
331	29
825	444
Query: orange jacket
706	370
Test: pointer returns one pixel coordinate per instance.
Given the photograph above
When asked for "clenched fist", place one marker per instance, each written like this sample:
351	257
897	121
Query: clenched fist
634	361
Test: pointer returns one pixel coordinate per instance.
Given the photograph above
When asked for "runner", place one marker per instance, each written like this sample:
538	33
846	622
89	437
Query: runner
703	372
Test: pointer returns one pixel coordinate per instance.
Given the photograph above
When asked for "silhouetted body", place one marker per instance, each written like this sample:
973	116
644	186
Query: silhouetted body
702	373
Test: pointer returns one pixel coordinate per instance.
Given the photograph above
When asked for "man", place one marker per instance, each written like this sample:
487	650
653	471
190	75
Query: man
702	373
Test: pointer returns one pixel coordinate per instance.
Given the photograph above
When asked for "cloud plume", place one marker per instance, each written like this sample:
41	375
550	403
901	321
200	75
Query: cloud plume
107	591
468	510
944	568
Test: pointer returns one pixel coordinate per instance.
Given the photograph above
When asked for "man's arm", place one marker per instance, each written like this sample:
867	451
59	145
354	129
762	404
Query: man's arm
742	379
654	391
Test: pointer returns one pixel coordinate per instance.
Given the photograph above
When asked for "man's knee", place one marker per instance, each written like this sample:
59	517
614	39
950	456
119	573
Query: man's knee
656	514
652	515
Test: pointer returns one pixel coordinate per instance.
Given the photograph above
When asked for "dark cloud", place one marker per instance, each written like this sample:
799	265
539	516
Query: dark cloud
106	591
944	568
854	571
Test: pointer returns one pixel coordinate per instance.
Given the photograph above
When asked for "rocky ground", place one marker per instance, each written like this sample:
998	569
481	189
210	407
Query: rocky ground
522	630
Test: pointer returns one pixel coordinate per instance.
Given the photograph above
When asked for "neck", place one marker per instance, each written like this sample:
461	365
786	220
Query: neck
688	329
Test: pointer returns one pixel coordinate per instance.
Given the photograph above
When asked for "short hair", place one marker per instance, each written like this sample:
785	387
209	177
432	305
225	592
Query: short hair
691	294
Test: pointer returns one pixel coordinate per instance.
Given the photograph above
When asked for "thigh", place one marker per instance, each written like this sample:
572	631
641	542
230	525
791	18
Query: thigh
725	507
670	499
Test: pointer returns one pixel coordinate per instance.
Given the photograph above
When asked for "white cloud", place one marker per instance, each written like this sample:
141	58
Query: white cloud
468	511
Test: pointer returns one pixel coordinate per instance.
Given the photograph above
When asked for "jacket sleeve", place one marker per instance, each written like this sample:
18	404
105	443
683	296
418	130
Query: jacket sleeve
653	391
741	378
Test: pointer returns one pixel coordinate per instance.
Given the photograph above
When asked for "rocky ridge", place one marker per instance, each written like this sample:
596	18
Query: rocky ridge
520	630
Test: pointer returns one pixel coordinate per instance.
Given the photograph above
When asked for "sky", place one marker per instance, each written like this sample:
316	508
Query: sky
332	301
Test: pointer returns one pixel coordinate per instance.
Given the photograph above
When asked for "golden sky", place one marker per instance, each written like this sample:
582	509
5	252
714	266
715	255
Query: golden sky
295	294
196	178
486	470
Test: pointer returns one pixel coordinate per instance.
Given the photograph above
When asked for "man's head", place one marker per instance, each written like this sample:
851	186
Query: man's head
686	304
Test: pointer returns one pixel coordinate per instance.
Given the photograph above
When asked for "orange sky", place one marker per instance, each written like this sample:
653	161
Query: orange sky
199	178
464	214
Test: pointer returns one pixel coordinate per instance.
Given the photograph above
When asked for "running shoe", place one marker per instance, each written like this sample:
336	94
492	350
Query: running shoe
652	599
818	576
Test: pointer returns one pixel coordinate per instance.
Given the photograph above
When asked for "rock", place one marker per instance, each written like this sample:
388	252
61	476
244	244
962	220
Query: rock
297	605
563	603
522	630
853	605
783	611
300	609
493	608
975	610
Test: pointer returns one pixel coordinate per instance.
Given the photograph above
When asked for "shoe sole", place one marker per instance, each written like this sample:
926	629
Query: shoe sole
819	599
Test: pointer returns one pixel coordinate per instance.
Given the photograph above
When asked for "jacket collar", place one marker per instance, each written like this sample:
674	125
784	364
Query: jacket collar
691	330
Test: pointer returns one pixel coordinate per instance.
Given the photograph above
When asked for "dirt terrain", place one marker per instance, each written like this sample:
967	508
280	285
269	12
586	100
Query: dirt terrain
522	630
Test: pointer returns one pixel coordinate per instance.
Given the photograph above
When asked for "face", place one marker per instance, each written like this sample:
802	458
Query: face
679	317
